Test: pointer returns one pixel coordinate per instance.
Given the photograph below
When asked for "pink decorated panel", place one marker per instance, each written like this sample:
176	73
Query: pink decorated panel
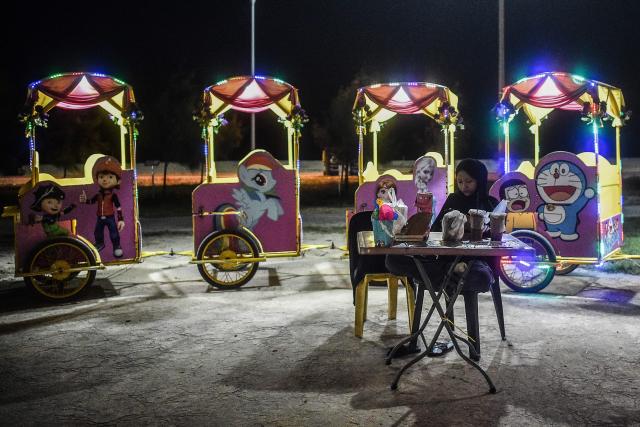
560	203
32	229
266	197
406	190
611	234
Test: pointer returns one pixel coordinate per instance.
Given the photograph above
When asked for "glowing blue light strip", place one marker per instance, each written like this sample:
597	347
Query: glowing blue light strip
596	149
505	130
32	145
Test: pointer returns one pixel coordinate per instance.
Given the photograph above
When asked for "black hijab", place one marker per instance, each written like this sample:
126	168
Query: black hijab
480	199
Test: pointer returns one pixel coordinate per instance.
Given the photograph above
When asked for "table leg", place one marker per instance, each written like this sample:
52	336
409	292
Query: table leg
443	323
496	295
409	345
402	348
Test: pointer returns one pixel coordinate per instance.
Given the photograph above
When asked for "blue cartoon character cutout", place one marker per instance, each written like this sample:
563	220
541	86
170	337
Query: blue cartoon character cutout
563	188
257	194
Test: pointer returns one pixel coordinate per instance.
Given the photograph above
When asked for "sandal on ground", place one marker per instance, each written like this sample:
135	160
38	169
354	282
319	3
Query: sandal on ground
440	349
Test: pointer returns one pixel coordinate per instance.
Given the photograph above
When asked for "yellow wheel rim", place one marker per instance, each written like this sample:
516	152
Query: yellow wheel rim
60	269
228	246
54	261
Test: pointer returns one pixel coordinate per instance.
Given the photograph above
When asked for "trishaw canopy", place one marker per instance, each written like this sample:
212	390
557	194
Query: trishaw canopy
78	91
385	100
251	94
539	95
377	103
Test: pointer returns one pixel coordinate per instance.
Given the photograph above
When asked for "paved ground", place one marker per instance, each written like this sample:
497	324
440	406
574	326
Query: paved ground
152	344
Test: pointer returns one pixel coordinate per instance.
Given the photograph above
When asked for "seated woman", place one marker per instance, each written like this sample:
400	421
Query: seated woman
471	193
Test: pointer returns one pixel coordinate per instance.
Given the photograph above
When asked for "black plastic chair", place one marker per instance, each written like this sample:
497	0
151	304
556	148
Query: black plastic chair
366	269
470	295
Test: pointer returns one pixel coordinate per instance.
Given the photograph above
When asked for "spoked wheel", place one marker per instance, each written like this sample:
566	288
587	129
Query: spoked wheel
564	268
529	273
64	263
224	252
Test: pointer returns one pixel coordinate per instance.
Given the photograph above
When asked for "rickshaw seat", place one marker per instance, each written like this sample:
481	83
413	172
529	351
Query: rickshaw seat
364	270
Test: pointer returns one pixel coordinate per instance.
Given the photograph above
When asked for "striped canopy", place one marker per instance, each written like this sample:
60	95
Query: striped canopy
76	91
385	100
539	95
251	94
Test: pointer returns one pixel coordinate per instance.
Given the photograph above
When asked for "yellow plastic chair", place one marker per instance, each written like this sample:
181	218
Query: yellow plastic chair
362	292
366	269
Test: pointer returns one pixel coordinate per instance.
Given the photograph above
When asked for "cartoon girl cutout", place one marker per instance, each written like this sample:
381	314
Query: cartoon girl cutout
48	199
424	169
107	173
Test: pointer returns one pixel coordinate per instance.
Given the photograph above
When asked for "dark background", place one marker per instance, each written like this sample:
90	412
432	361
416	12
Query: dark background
169	53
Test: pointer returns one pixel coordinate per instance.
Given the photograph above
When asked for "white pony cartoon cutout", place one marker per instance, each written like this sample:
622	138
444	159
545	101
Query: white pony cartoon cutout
257	195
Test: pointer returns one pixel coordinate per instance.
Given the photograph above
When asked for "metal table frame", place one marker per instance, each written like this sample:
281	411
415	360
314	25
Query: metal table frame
510	246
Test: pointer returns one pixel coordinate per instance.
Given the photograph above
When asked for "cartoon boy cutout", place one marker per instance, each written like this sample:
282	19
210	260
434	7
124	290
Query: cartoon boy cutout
519	217
107	172
48	199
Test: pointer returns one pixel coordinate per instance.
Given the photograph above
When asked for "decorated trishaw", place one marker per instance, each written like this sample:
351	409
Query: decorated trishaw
568	206
432	172
240	221
67	228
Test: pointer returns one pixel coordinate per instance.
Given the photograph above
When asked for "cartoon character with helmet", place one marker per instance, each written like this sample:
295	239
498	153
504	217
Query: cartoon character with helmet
48	200
106	173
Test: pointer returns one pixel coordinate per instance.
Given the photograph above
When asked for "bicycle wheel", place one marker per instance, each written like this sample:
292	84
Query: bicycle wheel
225	250
529	273
64	264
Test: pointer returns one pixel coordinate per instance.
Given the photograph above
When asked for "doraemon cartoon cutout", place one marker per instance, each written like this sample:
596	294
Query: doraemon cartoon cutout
563	188
257	194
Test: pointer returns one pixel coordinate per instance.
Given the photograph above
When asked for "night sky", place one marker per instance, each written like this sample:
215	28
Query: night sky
169	54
